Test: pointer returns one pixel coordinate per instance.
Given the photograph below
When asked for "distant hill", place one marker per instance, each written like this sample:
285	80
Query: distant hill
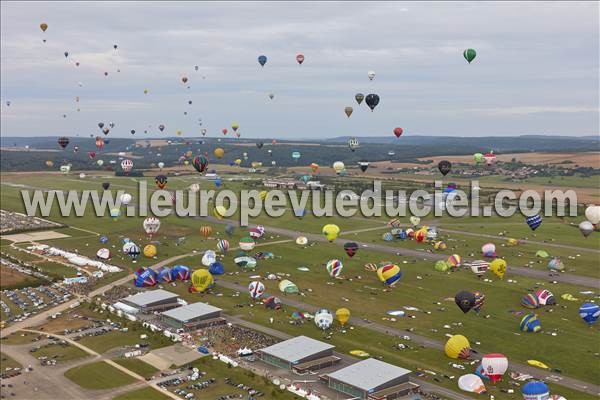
325	152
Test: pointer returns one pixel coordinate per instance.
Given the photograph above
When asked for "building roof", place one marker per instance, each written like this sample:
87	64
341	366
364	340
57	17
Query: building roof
191	311
149	297
295	349
368	374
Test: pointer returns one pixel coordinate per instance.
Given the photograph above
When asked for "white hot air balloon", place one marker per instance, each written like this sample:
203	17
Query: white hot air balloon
471	383
127	165
151	225
209	258
126	198
256	289
323	319
494	366
586	228
161	165
371	75
592	214
103	254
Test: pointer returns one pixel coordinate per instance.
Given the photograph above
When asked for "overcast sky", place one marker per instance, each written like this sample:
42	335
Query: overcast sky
536	70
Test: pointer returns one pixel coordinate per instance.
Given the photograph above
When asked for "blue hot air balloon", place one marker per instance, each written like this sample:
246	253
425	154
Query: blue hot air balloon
216	268
534	221
103	239
218	182
145	277
480	372
229	229
530	323
164	275
180	272
589	312
262	60
535	390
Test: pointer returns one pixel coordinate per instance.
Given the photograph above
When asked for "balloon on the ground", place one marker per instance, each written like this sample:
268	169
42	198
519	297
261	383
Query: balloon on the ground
556	264
489	250
458	346
586	228
256	289
323	319
465	300
144	277
288	287
202	280
342	315
216	268
247	243
334	268
208	258
471	383
223	245
530	301
589	312
180	272
150	250
479	267
494	366
530	323
498	267
389	274
545	297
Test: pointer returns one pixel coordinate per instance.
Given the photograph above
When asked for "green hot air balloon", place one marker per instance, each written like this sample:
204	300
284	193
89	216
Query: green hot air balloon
478	158
469	55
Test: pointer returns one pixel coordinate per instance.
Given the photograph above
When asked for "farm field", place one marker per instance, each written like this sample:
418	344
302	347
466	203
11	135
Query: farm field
98	375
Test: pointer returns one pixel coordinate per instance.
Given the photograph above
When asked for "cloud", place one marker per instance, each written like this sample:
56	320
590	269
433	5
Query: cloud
537	62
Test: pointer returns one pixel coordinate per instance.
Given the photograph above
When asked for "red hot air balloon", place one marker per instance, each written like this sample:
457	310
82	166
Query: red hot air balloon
398	132
224	131
300	58
91	155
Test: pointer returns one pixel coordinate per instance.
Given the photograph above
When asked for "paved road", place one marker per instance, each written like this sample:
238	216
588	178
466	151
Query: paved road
428	342
528	272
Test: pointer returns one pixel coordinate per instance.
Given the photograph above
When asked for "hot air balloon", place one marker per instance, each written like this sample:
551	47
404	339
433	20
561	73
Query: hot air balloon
338	167
288	287
489	250
372	100
115	213
202	280
465	300
458	346
398	132
271	96
359	97
469	55
43	26
489	158
256	289
389	274
150	250
534	221
440	245
300	58
471	383
273	303
223	245
350	248
444	166
99	143
205	231
49	163
530	301
331	231
151	225
479	301
363	165
262	60
334	268
586	228
479	267
494	366
63	141
220	212
441	265
296	155
260	144
161	181
348	111
103	254
414	220
164	275
247	243
498	267
342	315
144	277
216	268
200	163
454	261
592	214
371	75
478	158
126	165
314	167
184	79
545	297
180	272
208	258
353	144
161	164
589	312
245	262
530	323
126	198
556	264
323	319
535	390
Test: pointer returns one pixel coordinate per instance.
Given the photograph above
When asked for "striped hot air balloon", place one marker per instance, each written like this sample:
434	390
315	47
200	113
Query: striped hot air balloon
440	245
530	301
556	264
454	260
370	267
545	297
164	275
388	237
223	245
144	277
530	323
334	268
395	223
479	267
534	221
245	262
494	366
205	231
181	273
389	274
479	301
589	312
441	265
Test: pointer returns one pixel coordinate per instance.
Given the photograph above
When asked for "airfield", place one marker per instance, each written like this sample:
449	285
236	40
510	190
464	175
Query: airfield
415	341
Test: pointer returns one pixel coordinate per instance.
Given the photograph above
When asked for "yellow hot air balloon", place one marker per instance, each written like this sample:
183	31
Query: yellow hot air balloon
238	161
235	126
458	346
256	164
342	315
220	212
201	281
189	154
219	152
179	132
338	166
512	242
498	267
263	194
331	231
145	91
415	220
150	250
186	162
49	163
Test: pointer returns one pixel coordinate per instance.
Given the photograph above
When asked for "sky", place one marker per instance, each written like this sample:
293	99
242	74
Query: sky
536	70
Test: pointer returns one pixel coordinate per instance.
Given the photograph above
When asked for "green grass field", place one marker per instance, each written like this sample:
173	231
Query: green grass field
496	329
115	339
142	394
8	362
60	353
138	366
98	375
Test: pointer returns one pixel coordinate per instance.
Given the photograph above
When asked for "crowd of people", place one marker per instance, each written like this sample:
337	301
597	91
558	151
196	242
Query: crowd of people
11	222
228	339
